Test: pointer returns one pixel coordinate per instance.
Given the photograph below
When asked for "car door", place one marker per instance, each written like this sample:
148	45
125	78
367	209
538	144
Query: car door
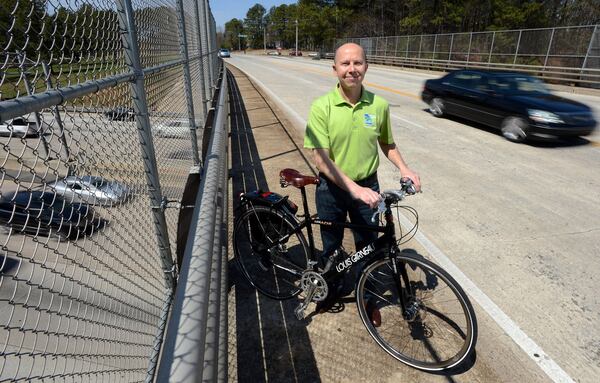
467	95
456	87
479	100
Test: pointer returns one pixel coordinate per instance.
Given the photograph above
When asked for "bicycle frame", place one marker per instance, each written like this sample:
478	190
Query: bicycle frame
369	253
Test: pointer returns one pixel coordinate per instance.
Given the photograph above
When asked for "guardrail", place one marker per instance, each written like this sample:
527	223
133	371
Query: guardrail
196	342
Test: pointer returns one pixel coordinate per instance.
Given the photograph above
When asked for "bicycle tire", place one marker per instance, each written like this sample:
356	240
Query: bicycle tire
274	273
442	308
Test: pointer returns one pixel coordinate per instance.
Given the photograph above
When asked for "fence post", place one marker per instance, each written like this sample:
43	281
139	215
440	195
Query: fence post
451	43
518	44
549	46
200	45
59	122
587	53
209	52
385	46
434	44
420	43
187	82
132	59
38	120
469	50
492	47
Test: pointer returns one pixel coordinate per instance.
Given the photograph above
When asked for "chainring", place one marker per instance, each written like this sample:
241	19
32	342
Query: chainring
313	278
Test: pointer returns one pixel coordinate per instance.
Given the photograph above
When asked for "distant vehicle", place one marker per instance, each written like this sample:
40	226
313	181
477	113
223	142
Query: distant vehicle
43	214
224	53
274	53
295	53
521	106
121	114
22	127
91	190
178	128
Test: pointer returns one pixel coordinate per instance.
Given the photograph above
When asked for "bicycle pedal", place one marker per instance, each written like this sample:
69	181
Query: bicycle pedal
299	311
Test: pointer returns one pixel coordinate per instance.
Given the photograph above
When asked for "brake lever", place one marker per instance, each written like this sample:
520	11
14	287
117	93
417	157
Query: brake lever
380	209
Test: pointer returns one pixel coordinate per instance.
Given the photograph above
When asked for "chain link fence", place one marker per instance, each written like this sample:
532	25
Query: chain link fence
101	109
565	54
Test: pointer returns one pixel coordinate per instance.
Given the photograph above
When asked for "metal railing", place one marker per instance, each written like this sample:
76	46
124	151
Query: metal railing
565	54
102	109
196	344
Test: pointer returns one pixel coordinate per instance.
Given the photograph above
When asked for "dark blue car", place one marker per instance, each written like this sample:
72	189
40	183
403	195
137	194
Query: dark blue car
44	214
521	106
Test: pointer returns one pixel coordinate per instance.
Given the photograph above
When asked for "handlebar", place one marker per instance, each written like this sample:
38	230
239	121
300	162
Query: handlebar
389	197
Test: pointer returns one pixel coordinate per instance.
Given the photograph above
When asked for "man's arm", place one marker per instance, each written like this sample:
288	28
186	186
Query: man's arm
392	153
332	172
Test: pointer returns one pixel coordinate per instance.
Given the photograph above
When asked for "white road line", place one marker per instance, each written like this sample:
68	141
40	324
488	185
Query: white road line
535	352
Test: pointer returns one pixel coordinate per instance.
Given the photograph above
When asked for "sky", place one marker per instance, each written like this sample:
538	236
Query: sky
225	10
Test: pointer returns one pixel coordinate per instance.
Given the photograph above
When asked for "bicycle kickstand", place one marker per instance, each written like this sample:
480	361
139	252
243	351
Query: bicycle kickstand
310	293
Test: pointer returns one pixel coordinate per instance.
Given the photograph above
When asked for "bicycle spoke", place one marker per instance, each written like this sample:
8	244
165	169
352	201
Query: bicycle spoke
271	265
436	331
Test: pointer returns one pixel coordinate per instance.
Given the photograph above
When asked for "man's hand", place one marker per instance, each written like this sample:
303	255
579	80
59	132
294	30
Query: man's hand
414	177
367	196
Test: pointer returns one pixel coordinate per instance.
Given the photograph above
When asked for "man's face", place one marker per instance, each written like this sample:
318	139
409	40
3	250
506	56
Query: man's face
350	66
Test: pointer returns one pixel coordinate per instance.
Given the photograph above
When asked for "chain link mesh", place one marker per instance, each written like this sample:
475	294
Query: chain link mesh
82	284
569	47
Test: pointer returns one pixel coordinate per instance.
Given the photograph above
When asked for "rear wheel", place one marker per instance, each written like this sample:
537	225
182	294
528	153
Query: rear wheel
271	264
514	129
437	107
437	329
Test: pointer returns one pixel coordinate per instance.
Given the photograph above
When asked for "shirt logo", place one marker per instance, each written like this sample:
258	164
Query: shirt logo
370	120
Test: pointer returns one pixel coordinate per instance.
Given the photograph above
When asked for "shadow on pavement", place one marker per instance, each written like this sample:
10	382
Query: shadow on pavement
272	345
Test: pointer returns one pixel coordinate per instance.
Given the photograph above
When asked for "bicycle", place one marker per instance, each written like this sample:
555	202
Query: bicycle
427	321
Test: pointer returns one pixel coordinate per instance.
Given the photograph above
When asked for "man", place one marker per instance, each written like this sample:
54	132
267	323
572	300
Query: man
344	128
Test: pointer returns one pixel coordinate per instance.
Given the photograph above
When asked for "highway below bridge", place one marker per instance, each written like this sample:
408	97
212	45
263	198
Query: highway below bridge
518	225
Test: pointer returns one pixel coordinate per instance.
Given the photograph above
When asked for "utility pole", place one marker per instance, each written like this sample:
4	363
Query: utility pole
296	37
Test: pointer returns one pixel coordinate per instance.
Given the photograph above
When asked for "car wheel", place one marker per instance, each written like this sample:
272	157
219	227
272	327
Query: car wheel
514	129
437	107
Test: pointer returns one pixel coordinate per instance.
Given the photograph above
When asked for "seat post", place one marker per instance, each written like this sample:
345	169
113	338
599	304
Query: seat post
311	241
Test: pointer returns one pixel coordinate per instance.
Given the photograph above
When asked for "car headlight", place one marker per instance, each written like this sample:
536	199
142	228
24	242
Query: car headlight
544	116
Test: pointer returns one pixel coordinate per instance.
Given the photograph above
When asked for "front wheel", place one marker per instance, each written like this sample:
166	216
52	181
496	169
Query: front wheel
437	107
514	129
270	251
435	330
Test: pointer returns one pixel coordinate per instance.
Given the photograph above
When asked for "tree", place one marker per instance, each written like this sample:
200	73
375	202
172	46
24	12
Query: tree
233	28
254	24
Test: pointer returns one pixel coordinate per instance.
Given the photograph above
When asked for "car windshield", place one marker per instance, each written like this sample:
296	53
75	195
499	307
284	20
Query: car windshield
518	85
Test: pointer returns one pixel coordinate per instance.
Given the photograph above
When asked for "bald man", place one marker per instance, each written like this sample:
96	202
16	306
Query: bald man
344	129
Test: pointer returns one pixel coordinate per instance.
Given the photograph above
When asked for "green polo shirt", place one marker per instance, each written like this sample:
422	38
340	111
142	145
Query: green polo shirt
350	132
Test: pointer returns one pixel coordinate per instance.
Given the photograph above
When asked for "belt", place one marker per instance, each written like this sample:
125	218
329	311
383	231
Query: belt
368	180
365	181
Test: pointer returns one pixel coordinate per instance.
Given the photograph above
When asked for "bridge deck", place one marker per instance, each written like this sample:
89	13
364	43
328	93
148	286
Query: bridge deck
266	341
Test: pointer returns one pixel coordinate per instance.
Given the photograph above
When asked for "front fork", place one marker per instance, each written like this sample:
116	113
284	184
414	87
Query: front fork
408	302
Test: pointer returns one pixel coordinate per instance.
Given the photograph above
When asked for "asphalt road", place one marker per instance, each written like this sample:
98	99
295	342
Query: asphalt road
517	224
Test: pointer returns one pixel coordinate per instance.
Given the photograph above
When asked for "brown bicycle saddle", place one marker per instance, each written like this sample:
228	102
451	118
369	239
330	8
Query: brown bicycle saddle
294	178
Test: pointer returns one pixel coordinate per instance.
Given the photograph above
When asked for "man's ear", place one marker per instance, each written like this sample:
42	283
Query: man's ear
333	66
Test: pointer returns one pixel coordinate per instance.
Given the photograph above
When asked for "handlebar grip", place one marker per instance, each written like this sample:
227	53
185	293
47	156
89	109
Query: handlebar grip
408	186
